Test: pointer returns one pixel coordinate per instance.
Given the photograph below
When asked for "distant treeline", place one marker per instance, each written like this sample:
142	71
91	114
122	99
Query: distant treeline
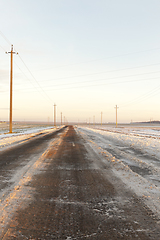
149	122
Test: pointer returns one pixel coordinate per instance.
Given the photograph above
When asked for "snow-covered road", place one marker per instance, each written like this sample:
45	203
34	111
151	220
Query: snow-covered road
134	155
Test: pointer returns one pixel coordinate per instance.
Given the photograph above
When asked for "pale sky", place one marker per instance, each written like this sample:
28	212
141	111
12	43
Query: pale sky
86	56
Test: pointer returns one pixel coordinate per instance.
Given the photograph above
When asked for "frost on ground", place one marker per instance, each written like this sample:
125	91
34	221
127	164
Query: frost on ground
134	155
21	136
12	197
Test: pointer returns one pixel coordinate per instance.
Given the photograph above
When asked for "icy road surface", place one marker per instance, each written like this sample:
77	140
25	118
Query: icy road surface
134	154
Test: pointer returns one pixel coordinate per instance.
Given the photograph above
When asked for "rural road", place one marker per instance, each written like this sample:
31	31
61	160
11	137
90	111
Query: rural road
57	187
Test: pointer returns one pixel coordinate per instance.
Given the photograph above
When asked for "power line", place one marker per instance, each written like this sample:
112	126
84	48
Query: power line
143	97
140	98
89	74
3	49
149	94
120	55
103	79
85	86
29	80
94	60
35	79
5	38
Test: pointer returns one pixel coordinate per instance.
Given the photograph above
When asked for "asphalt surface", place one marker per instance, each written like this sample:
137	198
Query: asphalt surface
74	195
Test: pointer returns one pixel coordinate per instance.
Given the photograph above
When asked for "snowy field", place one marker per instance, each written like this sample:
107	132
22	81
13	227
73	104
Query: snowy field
21	133
133	152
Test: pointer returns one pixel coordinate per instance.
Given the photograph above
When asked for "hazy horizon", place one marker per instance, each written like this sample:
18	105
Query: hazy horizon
84	56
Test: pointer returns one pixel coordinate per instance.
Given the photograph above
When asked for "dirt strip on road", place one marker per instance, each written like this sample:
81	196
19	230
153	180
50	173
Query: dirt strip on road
75	195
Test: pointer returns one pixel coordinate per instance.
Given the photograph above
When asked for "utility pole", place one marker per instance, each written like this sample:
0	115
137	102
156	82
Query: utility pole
55	115
94	120
64	120
101	118
61	118
116	114
11	83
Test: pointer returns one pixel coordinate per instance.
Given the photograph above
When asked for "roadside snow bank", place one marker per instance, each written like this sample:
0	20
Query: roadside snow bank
144	139
134	159
10	139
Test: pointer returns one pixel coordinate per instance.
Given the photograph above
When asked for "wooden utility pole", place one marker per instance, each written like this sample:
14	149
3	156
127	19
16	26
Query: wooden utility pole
61	118
116	114
55	115
11	83
94	120
101	118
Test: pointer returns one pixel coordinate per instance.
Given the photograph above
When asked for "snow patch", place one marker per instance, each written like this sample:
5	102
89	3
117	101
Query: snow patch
133	155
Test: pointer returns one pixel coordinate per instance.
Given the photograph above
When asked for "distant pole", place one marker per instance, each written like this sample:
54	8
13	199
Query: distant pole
89	121
116	114
55	115
101	118
61	118
11	83
94	120
150	120
64	120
